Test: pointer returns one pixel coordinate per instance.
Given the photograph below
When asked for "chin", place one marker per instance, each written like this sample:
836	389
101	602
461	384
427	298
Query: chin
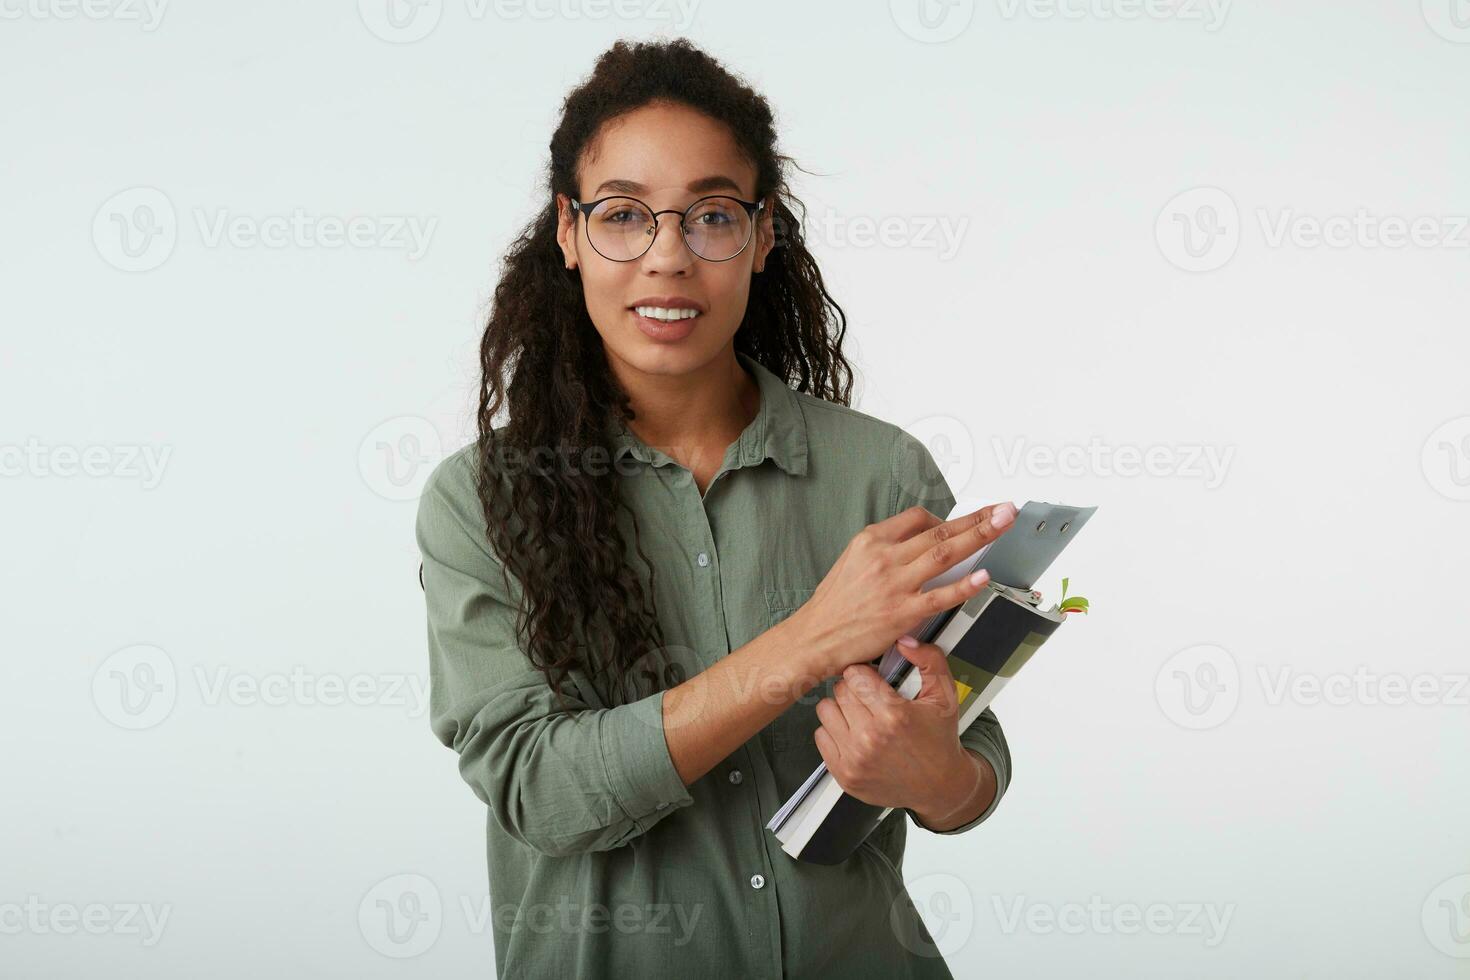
654	357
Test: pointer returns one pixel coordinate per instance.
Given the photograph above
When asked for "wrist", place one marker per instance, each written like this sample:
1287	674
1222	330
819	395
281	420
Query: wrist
800	663
811	647
955	793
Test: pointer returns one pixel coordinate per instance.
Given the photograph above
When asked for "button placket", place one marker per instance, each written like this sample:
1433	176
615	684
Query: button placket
705	558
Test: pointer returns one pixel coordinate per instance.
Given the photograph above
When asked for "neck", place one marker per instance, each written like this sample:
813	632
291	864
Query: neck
706	407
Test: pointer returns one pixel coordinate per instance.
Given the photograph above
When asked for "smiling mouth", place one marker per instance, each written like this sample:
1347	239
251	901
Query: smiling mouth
667	329
664	314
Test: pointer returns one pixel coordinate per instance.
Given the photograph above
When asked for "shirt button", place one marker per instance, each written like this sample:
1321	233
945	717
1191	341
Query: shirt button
703	559
661	806
735	777
757	881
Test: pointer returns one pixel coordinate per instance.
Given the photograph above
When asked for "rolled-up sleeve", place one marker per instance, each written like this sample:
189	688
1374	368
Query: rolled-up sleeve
918	479
560	780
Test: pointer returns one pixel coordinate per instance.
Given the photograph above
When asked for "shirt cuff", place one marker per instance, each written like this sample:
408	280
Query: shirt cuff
639	768
982	746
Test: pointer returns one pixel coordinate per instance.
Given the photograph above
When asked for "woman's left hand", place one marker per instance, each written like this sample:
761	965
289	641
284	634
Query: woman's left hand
888	751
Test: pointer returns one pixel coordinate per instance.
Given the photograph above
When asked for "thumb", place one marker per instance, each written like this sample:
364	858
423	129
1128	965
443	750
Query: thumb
937	686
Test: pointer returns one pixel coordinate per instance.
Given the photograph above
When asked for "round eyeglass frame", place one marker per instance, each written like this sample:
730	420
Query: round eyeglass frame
751	209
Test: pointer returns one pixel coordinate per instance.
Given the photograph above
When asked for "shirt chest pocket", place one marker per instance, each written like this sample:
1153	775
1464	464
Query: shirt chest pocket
790	736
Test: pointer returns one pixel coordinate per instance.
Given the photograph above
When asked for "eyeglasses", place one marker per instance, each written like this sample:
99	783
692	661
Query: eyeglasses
715	228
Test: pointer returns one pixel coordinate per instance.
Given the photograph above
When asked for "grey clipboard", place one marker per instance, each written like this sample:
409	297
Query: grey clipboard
1022	554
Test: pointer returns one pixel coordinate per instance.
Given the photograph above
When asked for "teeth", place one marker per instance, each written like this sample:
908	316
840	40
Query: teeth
663	313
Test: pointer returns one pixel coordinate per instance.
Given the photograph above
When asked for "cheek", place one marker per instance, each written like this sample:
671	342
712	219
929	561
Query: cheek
729	292
604	284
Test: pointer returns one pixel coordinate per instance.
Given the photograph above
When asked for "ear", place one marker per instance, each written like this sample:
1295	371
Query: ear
566	230
765	233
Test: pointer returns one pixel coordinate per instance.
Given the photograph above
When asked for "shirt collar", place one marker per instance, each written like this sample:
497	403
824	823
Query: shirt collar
777	432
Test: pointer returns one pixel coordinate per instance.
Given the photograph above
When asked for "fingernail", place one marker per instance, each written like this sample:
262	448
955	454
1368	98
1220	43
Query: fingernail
1002	515
980	577
907	641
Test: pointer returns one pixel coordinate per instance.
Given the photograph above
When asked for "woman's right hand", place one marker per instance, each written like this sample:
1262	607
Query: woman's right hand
872	595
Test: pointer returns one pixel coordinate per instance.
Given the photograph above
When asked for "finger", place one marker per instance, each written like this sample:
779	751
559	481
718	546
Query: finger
831	718
959	538
926	604
870	687
937	685
854	711
905	524
829	749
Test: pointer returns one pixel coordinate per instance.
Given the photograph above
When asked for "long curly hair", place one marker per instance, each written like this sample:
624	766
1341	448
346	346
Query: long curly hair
555	526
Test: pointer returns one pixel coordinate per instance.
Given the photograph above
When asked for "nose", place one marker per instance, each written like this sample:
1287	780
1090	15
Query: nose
667	253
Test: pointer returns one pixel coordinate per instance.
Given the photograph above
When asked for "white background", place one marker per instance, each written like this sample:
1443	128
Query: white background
291	393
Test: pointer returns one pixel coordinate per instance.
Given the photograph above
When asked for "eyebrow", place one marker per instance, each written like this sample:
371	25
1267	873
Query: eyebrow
715	182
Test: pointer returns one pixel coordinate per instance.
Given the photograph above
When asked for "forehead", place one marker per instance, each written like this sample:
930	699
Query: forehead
665	152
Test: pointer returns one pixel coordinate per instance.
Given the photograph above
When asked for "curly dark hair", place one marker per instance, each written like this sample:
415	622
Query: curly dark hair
555	526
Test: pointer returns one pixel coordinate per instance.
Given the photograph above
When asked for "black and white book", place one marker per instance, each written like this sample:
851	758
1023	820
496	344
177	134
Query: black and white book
987	640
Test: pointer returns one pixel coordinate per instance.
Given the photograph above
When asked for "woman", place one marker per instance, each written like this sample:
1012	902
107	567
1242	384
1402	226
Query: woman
654	592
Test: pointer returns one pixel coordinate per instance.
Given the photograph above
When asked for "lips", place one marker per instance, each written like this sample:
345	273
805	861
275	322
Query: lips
665	331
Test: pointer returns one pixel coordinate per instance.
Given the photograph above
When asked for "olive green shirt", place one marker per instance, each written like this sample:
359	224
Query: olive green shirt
602	862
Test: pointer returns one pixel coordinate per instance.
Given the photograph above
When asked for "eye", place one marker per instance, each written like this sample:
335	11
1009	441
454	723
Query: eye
714	212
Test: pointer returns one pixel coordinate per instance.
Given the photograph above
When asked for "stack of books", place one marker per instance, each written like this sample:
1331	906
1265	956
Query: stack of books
987	640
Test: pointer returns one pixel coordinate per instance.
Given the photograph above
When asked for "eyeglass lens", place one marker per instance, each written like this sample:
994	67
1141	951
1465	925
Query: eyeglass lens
715	228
